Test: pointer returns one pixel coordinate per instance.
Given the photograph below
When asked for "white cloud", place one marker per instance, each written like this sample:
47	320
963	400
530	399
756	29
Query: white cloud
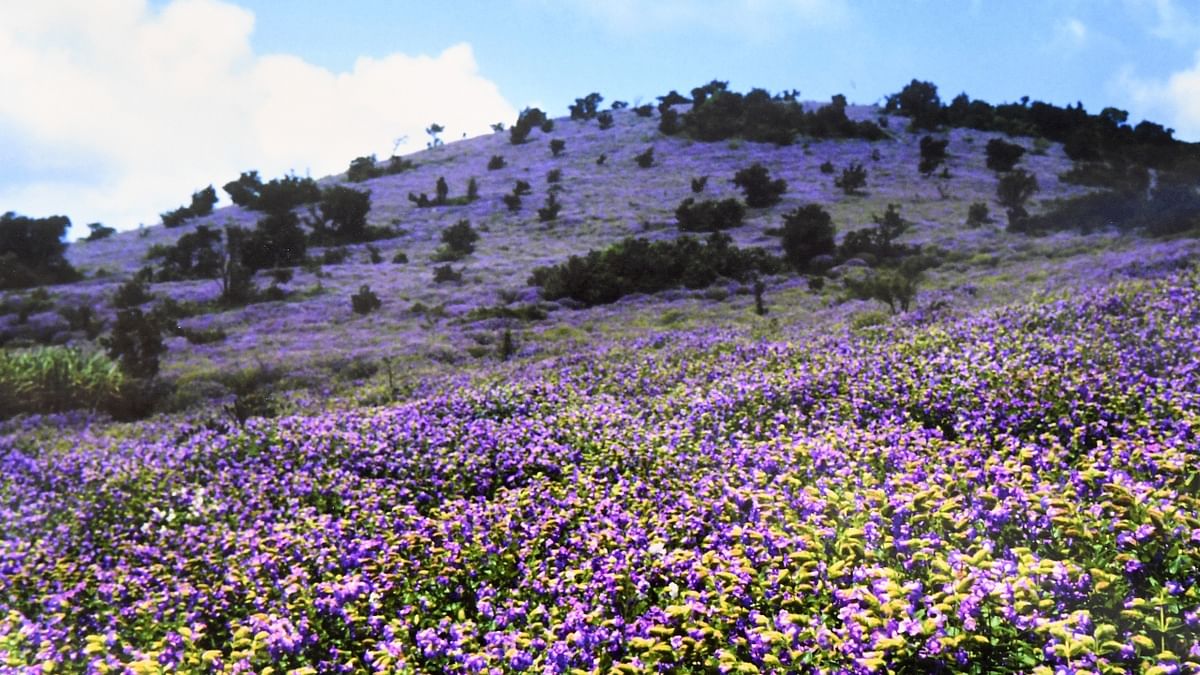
120	111
751	19
1175	101
1073	32
1171	21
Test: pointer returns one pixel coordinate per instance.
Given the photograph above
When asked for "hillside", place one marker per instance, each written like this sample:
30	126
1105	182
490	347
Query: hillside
997	476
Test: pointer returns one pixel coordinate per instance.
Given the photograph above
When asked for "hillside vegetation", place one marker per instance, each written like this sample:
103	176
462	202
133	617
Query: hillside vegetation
734	383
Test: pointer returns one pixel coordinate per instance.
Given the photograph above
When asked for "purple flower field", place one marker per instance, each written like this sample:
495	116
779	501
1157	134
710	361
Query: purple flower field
1011	492
1000	479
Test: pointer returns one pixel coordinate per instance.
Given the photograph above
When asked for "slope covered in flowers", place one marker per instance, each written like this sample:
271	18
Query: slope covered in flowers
1012	492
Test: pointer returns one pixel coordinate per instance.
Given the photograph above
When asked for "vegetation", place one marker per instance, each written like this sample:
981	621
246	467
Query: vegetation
719	114
636	265
56	379
557	145
933	153
1003	156
709	215
136	343
527	120
202	205
808	232
446	274
458	241
551	209
645	159
878	243
977	215
496	162
343	215
99	231
365	301
894	287
276	196
1013	191
586	108
755	182
31	251
853	179
366	168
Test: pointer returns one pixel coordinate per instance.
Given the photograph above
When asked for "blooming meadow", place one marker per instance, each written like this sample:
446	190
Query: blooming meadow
1014	491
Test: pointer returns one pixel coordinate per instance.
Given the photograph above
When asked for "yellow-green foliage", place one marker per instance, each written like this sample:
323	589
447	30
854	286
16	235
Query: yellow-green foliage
52	379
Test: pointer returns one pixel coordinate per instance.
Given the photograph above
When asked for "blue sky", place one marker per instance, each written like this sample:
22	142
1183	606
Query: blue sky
116	110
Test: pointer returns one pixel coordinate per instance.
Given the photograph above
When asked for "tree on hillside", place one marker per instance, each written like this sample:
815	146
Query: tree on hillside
31	251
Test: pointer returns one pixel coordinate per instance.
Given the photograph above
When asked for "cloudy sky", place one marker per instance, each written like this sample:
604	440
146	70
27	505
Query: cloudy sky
117	110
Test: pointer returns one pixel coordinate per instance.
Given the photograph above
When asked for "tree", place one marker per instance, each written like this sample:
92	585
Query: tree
933	153
853	178
1013	190
203	201
459	239
807	233
365	301
586	108
895	287
276	241
136	342
1003	156
919	101
557	145
346	209
433	130
755	182
709	215
32	251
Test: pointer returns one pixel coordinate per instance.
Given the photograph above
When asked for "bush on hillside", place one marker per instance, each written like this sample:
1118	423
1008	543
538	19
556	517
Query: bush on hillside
195	255
1013	191
977	215
894	287
933	153
853	179
808	232
1003	156
276	196
446	274
918	101
878	243
645	159
709	215
132	293
586	108
755	182
605	119
496	162
99	231
136	343
458	241
277	240
557	145
641	266
344	214
32	251
365	301
550	210
527	120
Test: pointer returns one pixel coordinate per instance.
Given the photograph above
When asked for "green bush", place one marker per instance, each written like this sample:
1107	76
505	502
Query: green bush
495	163
1003	156
586	108
605	119
551	209
557	145
1013	191
698	184
203	202
755	182
99	231
279	195
446	274
807	232
977	215
132	293
933	153
918	101
277	240
853	179
458	241
894	287
55	379
709	215
136	343
645	159
641	266
344	213
365	301
196	255
32	251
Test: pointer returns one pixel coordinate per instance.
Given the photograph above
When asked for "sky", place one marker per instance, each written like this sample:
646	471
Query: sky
114	111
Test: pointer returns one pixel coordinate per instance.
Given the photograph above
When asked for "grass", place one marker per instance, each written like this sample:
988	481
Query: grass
55	379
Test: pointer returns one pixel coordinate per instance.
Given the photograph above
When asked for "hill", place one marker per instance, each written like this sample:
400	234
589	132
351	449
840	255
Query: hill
782	465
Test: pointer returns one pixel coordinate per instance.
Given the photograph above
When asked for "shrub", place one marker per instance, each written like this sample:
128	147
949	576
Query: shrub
512	201
203	201
32	251
641	266
1003	156
443	190
755	182
605	119
400	258
82	318
1014	189
933	153
433	130
977	215
709	215
244	191
853	178
585	108
508	347
553	176
645	159
808	232
287	193
879	242
522	188
99	231
550	211
344	213
175	218
496	162
557	145
698	184
1128	178
276	241
361	169
132	293
55	379
547	126
526	121
136	342
918	101
827	167
446	273
646	110
668	122
458	240
364	301
601	159
195	255
895	287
